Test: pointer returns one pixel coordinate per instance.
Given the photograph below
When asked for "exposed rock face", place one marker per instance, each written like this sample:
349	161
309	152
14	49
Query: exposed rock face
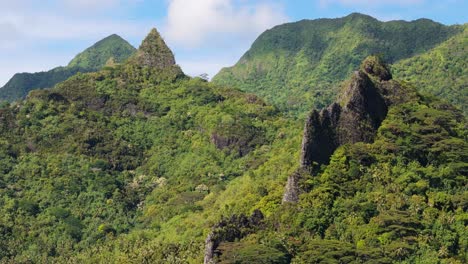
210	247
320	140
373	65
240	145
236	227
154	52
292	191
355	117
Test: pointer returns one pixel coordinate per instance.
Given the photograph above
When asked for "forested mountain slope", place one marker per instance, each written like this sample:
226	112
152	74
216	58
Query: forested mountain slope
138	163
112	49
391	190
300	65
137	147
442	71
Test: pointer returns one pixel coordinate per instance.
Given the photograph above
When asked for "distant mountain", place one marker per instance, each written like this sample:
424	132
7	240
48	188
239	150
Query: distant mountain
299	65
110	49
442	71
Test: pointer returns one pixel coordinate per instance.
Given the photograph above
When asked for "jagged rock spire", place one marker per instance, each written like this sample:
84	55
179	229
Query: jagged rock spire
354	117
153	52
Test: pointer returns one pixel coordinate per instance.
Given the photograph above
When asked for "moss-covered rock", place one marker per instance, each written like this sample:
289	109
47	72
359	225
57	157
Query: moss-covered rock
153	52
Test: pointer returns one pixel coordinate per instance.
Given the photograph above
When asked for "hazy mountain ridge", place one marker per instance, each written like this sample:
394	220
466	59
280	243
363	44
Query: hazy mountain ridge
96	56
91	59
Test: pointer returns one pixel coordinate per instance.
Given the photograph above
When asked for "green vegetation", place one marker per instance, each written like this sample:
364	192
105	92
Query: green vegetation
96	56
129	153
298	66
112	48
399	199
442	71
138	164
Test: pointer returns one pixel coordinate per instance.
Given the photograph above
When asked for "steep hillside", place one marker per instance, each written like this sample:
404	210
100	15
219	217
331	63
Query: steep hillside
299	65
138	163
442	71
112	48
381	179
129	149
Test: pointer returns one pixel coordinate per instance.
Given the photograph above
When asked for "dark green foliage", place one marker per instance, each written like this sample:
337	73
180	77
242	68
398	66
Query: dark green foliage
246	253
298	66
327	251
21	83
92	59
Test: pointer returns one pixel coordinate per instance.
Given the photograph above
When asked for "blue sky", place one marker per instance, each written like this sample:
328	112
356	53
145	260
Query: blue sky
205	35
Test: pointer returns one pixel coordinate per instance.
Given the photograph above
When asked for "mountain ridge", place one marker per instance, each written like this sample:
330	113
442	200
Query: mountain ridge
300	64
96	56
91	59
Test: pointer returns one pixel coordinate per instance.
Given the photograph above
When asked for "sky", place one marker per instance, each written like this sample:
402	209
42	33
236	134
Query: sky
205	35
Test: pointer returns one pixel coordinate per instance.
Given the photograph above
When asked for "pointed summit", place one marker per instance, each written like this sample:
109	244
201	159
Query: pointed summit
356	115
154	52
96	56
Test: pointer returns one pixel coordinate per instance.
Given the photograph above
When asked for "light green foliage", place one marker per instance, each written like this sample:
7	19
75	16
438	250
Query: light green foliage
298	66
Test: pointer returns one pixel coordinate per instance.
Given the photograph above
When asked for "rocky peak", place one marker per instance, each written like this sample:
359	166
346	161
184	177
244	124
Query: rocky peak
374	66
354	117
363	110
153	52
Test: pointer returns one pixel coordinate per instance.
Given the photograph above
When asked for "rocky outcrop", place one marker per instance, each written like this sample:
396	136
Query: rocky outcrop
292	191
354	117
228	230
319	139
234	144
153	52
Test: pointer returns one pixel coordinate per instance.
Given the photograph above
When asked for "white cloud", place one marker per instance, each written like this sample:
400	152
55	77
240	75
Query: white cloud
191	22
54	20
325	3
214	26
